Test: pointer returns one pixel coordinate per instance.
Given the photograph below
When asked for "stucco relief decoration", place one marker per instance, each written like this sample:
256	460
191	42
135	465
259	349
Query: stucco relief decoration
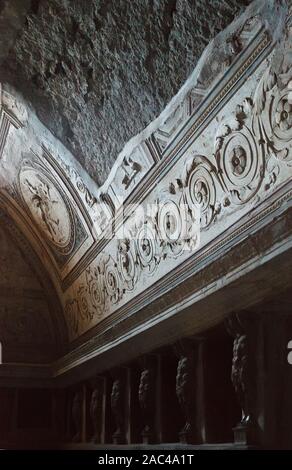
102	286
240	161
127	263
167	231
41	196
46	206
247	151
97	206
273	105
198	179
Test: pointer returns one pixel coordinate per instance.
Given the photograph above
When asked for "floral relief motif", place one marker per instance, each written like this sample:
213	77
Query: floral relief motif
200	188
238	160
166	234
46	206
127	263
112	282
148	248
249	148
273	103
283	115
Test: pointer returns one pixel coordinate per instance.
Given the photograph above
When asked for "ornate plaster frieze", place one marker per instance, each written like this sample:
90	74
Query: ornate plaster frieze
171	315
218	154
227	170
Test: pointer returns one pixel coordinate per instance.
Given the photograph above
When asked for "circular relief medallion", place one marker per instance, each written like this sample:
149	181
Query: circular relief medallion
170	223
147	248
239	160
46	206
201	193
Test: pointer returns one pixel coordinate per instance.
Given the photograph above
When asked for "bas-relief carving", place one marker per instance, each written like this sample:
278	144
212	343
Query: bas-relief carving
128	173
99	208
102	203
39	197
107	282
216	63
25	324
229	169
185	393
46	206
33	191
232	165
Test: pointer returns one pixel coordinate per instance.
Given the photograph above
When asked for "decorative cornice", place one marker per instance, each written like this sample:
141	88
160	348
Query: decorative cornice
231	238
251	157
256	51
222	151
250	253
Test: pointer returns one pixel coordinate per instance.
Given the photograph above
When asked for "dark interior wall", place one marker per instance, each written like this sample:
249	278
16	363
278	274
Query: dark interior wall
48	418
222	410
41	418
35	409
26	418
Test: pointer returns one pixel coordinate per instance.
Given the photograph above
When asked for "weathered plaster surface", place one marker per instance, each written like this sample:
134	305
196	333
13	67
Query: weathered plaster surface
223	143
98	72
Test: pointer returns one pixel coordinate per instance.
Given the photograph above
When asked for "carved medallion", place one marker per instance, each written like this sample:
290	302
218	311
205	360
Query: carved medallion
46	206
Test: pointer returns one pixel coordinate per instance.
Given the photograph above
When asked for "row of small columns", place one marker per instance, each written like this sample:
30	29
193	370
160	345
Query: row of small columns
194	392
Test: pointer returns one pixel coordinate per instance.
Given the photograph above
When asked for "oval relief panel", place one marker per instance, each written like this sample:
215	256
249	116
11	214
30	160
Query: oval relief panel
46	206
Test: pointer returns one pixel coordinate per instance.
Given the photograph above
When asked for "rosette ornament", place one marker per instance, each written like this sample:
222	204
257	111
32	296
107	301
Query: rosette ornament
199	180
240	159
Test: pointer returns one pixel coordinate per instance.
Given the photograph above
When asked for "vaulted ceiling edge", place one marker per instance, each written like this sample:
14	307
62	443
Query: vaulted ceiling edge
220	151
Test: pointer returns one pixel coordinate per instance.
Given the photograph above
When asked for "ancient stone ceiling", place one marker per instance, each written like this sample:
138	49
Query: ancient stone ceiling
98	71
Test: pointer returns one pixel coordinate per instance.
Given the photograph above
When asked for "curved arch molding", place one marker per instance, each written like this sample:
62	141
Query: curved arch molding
219	156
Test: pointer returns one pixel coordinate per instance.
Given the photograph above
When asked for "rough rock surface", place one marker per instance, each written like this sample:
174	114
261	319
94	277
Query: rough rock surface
98	71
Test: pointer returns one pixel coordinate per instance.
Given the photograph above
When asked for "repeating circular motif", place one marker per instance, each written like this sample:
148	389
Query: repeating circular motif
170	222
171	226
201	193
242	165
